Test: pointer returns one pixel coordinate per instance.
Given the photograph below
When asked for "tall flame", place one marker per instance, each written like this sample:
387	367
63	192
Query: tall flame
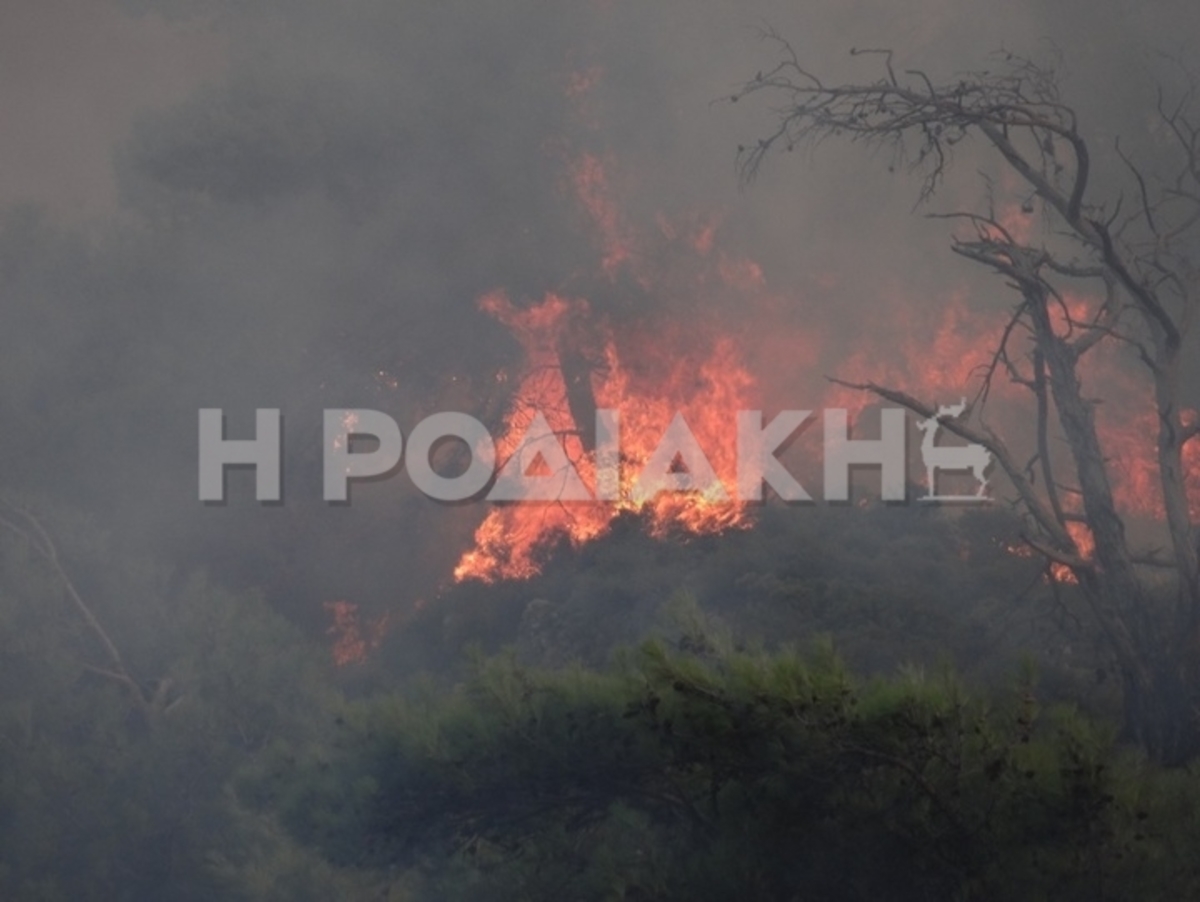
653	366
649	369
647	378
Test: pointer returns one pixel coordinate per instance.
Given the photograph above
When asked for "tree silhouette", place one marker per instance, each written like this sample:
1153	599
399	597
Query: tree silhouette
1135	250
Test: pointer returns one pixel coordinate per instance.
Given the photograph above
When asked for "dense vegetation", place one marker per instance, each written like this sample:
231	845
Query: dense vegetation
843	702
700	773
703	743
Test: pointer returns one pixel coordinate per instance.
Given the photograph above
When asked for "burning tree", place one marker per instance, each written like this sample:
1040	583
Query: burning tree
1134	252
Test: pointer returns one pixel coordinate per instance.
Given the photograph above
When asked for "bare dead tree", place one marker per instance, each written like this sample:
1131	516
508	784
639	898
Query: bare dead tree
1135	251
23	523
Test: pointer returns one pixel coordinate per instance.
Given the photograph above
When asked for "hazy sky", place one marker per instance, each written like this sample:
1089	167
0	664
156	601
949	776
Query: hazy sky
73	75
284	199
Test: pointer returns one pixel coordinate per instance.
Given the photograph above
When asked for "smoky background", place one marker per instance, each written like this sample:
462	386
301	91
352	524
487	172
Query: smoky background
299	205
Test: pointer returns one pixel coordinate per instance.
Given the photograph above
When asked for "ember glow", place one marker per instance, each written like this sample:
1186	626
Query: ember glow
1085	544
352	641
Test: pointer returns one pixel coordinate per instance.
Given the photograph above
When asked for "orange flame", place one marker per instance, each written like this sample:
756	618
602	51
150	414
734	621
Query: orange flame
350	646
707	386
933	350
1085	545
589	177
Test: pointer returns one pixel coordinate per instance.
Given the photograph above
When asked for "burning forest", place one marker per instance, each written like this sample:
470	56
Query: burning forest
645	451
577	361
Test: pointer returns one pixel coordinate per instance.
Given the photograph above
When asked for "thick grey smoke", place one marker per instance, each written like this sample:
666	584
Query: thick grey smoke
298	204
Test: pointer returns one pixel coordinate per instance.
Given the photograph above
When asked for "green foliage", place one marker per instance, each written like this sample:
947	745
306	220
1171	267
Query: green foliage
713	774
891	584
103	797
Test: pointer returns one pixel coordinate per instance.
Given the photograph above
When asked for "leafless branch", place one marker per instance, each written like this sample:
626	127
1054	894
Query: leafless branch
988	439
24	524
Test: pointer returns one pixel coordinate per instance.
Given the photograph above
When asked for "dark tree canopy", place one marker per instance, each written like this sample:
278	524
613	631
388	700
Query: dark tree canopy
1134	247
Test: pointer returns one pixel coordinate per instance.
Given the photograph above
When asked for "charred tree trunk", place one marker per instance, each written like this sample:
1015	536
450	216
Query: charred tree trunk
1157	705
1144	255
581	399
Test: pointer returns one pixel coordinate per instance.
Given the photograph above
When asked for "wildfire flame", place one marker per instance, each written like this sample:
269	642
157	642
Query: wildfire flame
647	378
350	644
651	369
